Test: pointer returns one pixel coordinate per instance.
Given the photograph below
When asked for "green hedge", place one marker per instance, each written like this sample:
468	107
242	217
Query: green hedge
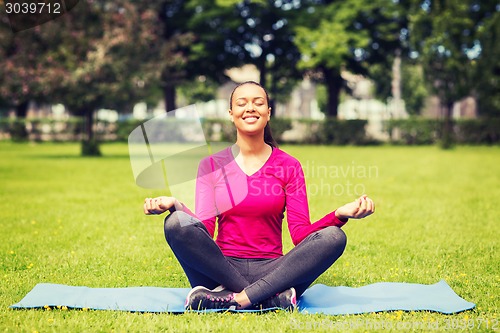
419	131
478	131
344	132
125	127
39	129
412	131
332	131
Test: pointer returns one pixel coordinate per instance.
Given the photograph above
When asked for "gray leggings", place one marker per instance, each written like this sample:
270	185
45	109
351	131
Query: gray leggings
205	265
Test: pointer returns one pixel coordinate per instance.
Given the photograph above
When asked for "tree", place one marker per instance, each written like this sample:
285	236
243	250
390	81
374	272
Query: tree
229	33
28	71
265	34
177	39
445	35
413	88
100	54
109	51
487	74
348	35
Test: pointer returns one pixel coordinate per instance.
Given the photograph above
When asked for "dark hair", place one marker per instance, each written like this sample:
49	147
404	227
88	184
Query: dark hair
268	135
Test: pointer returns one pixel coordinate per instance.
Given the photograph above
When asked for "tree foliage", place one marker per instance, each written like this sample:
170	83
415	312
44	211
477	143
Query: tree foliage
487	74
110	54
348	35
101	54
447	36
230	33
413	88
29	70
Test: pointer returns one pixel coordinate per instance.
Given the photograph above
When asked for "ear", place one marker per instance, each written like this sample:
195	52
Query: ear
231	115
269	114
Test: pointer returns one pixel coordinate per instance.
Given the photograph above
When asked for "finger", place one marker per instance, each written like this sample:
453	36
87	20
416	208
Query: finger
370	206
147	204
148	207
152	207
362	207
150	203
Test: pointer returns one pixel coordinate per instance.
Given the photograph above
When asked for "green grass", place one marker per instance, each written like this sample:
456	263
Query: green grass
78	221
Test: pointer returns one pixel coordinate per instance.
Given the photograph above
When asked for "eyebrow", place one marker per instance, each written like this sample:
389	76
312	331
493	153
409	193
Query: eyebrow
254	98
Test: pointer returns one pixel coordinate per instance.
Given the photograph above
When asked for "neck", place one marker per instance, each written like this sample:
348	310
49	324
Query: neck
251	144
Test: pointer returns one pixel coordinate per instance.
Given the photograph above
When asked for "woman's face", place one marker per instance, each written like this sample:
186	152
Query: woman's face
249	111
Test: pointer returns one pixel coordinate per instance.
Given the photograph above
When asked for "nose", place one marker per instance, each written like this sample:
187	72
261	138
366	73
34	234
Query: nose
249	107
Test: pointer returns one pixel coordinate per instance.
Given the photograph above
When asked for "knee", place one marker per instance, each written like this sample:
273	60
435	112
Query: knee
171	223
337	238
175	223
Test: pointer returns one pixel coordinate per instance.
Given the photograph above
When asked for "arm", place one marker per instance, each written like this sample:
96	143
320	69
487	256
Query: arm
204	200
205	206
297	208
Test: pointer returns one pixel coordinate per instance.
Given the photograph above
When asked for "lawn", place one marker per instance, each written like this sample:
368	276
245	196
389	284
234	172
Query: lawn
78	221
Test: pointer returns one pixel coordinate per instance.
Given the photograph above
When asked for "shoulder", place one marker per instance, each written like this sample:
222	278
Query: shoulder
283	158
216	160
285	165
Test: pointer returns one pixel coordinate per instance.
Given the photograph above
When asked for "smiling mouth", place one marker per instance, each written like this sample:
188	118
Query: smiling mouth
250	119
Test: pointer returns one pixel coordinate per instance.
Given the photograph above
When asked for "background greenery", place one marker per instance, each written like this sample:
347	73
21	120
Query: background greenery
78	221
113	54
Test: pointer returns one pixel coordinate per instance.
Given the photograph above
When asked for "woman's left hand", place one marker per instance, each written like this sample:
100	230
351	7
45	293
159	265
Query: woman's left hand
359	208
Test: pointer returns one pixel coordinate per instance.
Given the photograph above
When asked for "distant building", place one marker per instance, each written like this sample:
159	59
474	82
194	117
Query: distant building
464	109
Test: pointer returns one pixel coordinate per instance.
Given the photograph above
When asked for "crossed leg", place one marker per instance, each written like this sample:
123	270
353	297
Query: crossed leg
205	264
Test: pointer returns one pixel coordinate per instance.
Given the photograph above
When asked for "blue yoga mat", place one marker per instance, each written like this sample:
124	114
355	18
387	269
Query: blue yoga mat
383	296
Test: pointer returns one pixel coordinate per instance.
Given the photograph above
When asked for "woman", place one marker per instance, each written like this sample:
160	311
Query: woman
246	189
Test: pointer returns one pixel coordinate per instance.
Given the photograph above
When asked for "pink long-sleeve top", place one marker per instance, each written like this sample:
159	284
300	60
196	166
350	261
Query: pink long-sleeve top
249	209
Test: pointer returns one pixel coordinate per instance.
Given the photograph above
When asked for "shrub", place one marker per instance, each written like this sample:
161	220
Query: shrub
125	127
414	131
478	131
17	130
419	131
279	126
90	148
344	132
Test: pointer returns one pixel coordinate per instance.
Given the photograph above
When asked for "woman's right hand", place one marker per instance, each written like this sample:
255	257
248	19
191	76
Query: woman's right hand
159	205
358	209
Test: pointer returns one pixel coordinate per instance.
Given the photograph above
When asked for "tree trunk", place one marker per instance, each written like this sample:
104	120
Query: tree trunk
263	71
447	139
89	126
90	146
273	90
22	109
169	94
19	132
334	82
263	82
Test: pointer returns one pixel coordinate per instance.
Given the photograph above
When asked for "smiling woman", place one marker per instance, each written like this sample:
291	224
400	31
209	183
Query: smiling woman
249	107
251	101
243	192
